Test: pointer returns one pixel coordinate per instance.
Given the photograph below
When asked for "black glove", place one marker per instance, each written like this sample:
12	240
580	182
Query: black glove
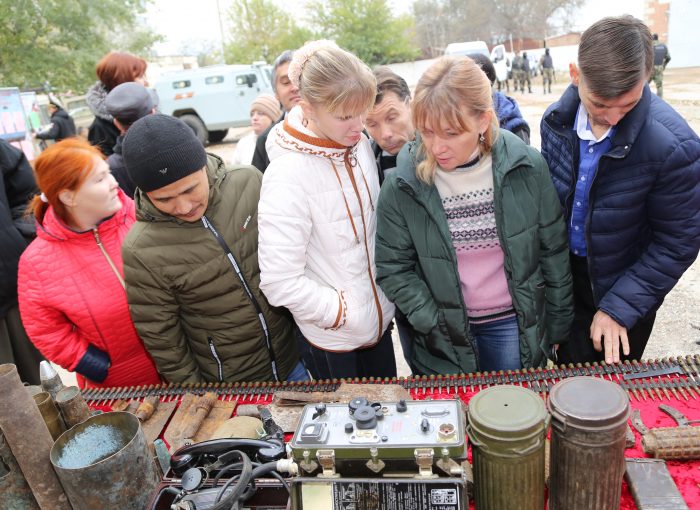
94	364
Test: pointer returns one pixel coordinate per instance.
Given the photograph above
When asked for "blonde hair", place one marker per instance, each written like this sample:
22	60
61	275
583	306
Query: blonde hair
333	78
451	90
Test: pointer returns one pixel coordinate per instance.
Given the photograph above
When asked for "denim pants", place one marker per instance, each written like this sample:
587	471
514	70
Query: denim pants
298	373
498	344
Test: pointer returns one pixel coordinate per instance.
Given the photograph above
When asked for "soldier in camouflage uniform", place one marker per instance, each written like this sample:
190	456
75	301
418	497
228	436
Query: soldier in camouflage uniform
547	70
517	68
661	58
526	74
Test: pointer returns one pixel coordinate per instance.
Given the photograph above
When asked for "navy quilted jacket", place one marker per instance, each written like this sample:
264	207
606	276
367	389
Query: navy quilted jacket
643	226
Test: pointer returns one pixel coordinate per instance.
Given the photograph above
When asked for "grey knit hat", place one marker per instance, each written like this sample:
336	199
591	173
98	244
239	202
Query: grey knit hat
159	150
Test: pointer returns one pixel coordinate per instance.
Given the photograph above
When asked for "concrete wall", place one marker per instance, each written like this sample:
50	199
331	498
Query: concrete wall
682	33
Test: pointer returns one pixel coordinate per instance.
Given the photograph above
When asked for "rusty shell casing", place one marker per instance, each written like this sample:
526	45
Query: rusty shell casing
147	408
29	439
197	413
50	413
679	443
15	493
104	463
72	406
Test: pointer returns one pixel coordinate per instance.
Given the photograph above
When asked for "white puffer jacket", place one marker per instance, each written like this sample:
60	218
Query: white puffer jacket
317	227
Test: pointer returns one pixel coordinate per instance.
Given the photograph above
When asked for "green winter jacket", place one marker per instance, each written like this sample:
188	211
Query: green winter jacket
417	263
188	304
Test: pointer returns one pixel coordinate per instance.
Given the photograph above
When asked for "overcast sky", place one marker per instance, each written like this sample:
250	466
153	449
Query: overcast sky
184	29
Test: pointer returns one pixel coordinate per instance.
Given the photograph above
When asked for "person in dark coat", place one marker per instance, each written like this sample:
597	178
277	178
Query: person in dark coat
626	167
127	103
114	69
471	242
507	110
16	232
62	125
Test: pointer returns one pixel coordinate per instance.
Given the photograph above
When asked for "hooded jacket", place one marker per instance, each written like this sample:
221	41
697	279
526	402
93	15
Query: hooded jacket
74	307
186	300
102	132
317	236
417	263
643	225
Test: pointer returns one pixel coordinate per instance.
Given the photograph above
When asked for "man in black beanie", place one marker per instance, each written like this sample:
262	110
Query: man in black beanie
191	263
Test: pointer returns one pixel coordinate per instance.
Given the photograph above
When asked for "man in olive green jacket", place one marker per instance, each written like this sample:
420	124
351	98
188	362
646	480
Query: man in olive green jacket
191	263
417	263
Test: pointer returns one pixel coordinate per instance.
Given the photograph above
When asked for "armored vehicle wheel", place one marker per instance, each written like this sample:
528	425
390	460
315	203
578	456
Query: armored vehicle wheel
196	125
217	135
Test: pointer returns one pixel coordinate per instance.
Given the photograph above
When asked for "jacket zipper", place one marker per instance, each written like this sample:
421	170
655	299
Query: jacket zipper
215	355
106	255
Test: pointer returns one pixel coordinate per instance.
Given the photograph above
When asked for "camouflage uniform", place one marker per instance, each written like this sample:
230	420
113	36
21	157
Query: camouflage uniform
661	59
547	69
518	72
526	75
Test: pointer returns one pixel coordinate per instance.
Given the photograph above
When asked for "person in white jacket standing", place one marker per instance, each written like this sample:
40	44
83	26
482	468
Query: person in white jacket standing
317	218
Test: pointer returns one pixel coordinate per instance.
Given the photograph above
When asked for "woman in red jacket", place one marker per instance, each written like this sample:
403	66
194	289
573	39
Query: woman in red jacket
71	287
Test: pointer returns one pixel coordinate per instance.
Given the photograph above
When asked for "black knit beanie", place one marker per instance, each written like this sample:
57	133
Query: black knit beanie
159	150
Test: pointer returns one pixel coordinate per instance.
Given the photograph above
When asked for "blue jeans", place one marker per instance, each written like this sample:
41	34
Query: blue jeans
498	344
298	373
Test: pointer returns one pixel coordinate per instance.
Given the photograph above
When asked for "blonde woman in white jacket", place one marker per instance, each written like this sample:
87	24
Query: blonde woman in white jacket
317	219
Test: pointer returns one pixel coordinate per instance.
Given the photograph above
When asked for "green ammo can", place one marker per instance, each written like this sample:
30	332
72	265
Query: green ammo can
507	428
587	461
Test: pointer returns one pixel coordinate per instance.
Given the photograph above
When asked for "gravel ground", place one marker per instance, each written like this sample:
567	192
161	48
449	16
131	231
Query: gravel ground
677	327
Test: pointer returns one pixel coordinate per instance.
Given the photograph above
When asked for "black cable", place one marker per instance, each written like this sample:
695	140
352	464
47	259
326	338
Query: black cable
243	479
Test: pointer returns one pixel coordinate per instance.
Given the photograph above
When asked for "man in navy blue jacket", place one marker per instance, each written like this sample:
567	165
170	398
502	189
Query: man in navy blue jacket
626	167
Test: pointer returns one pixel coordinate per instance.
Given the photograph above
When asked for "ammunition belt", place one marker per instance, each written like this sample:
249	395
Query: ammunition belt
658	378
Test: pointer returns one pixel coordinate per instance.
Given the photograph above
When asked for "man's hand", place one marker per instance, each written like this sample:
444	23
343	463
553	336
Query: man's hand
605	330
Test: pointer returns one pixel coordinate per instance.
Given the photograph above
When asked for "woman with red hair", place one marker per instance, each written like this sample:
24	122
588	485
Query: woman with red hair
71	283
114	69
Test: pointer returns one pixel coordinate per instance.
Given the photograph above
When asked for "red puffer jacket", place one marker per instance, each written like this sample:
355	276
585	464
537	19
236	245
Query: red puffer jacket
71	299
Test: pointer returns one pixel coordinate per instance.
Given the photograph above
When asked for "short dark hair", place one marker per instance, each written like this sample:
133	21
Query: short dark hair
486	65
389	81
284	58
614	55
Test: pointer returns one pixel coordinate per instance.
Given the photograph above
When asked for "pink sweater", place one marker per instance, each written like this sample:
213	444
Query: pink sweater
467	197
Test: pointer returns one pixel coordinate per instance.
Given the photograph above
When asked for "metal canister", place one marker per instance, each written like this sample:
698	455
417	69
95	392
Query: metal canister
15	493
507	428
72	406
104	462
587	462
50	413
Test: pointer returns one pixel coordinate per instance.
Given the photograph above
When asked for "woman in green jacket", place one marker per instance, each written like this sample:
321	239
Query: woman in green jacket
471	241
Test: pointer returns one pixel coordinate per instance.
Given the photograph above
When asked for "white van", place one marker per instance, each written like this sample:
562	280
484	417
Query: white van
464	49
502	61
213	99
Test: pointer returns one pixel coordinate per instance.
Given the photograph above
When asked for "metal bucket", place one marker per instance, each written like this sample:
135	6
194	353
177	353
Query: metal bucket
50	413
15	493
507	428
72	406
587	462
104	462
